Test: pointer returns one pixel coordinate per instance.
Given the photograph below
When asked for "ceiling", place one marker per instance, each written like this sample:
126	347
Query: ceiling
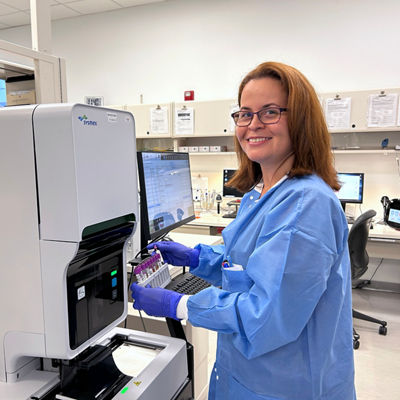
16	12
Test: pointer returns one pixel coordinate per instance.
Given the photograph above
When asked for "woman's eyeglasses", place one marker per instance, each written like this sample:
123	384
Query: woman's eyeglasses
267	116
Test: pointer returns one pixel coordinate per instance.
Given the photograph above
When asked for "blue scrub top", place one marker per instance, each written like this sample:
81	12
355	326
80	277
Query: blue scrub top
283	314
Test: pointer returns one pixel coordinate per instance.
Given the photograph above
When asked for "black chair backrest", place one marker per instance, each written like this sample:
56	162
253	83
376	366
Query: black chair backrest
357	241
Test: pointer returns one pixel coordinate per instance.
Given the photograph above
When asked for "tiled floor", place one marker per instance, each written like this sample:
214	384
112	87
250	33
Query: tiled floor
377	361
378	358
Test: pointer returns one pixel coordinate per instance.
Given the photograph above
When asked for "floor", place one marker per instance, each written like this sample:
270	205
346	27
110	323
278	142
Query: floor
377	361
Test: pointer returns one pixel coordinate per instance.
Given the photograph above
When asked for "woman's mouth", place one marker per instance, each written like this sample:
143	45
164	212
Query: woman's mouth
258	139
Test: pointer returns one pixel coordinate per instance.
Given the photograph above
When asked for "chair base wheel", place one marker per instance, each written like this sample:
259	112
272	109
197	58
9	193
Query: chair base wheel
383	330
356	344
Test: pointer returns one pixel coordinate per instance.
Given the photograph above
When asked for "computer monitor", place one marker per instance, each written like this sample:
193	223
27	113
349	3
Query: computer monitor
352	187
226	190
3	97
166	199
231	192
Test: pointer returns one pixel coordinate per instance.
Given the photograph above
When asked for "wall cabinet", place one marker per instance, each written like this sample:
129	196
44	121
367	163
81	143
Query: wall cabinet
357	148
152	120
360	109
211	118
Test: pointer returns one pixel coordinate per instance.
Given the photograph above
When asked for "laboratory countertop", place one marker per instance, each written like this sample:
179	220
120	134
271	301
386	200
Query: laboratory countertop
378	231
211	219
192	240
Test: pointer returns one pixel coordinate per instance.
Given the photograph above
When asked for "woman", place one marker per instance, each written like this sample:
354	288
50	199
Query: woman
283	314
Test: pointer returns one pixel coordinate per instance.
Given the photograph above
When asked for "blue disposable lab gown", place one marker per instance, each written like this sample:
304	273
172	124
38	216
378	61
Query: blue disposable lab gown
284	322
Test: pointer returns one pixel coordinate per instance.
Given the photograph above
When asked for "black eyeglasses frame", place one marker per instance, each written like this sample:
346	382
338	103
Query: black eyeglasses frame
281	110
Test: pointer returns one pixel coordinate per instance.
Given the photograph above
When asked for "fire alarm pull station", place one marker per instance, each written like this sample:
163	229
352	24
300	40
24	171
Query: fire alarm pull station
189	95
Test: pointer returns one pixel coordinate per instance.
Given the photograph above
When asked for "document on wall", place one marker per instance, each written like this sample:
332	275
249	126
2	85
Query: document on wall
159	120
382	110
233	108
184	121
337	112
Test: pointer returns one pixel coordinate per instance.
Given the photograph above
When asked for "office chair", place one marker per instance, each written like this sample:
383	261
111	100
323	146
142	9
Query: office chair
359	260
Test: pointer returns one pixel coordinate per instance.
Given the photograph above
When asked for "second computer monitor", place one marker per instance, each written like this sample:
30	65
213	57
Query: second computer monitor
226	190
352	189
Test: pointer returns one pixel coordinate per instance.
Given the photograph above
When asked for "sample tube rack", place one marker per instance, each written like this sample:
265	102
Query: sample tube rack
152	271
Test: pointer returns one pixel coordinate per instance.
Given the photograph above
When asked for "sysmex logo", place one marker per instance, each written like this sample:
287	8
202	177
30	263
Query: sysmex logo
87	121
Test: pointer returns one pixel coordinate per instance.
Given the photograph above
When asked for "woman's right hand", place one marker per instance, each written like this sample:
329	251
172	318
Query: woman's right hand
177	254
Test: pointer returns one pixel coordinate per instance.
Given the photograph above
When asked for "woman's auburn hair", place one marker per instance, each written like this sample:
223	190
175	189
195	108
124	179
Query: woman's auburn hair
311	141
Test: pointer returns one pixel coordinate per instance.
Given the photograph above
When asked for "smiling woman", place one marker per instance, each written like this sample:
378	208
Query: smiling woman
281	293
266	143
276	85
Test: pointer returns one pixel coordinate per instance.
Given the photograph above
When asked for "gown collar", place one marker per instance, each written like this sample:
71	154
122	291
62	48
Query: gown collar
258	188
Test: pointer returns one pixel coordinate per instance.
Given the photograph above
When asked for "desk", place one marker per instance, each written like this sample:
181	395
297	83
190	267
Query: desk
198	337
207	224
383	242
192	240
383	248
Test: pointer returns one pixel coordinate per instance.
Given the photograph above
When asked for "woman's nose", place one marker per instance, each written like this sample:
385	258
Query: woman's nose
255	123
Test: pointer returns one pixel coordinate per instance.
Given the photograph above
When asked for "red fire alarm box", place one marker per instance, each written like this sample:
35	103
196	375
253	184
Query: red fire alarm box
189	95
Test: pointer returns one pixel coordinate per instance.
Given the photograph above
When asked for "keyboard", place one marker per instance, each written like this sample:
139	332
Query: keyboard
187	283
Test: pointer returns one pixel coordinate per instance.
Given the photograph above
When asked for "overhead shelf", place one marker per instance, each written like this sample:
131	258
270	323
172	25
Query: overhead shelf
360	151
221	153
335	151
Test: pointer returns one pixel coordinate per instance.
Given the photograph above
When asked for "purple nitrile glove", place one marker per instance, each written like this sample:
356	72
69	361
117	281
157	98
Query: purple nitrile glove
157	302
177	254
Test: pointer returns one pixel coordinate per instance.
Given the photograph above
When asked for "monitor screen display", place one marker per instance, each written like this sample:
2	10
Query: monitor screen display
352	187
229	191
165	192
394	216
3	97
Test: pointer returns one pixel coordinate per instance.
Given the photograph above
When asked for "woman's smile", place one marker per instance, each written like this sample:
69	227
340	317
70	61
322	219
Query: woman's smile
258	140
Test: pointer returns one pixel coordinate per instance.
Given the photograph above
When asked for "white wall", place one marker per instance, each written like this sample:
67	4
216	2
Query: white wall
162	49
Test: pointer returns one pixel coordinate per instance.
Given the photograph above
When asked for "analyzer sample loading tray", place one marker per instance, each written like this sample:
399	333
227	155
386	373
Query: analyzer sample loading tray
101	371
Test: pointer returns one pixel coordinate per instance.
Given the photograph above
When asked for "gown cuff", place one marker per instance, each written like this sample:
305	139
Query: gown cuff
181	309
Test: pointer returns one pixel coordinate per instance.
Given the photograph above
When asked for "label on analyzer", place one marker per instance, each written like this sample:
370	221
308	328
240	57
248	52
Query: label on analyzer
81	292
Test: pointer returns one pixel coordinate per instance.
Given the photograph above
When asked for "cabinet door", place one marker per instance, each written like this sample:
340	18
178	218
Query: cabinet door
211	118
152	120
360	109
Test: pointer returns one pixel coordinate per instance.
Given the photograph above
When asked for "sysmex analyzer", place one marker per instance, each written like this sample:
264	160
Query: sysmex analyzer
68	207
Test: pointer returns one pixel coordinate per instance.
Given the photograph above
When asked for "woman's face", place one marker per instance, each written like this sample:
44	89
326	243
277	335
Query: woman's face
265	144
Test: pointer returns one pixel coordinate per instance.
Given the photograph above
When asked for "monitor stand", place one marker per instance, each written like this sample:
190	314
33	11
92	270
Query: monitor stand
349	219
232	214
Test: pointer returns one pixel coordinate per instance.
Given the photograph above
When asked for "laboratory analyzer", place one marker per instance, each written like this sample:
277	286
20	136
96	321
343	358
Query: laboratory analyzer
68	207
